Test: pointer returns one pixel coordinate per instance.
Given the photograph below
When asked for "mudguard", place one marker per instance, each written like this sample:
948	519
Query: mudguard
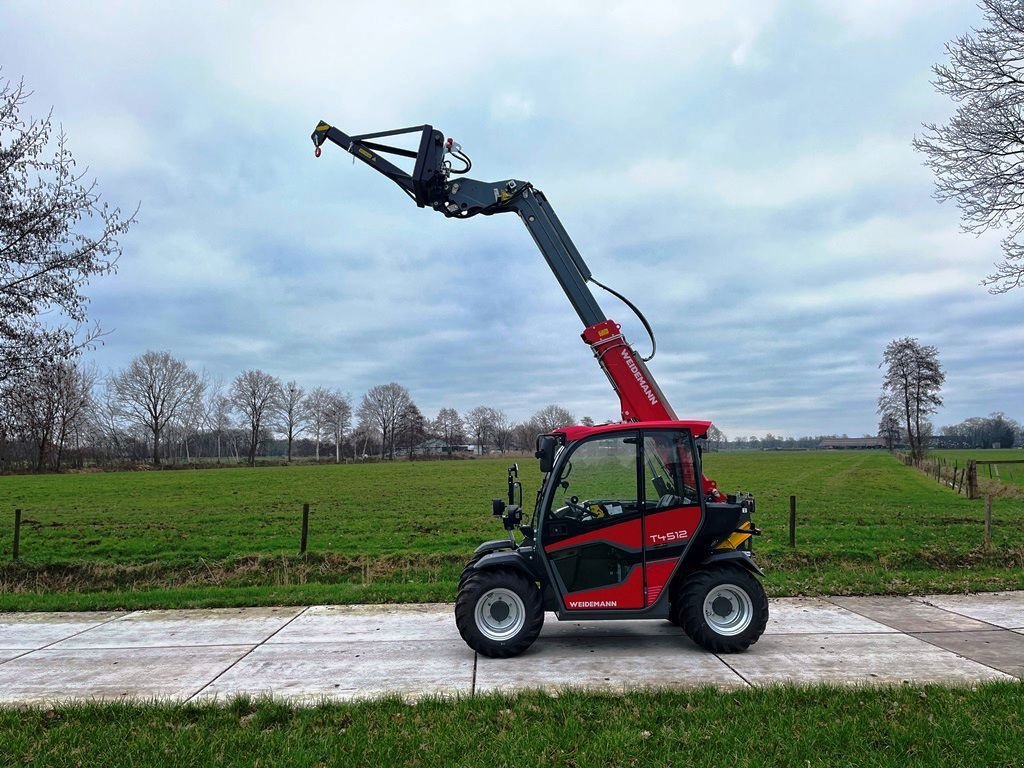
739	557
492	546
505	560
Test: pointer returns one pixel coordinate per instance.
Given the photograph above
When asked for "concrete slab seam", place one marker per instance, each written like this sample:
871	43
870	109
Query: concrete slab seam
62	639
472	686
733	670
916	636
957	613
237	661
897	630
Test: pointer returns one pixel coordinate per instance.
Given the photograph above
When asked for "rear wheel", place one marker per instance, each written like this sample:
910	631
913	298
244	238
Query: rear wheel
499	612
724	609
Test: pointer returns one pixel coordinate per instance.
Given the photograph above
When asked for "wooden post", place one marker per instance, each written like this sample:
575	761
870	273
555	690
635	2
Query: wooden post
972	479
305	529
988	523
792	521
17	533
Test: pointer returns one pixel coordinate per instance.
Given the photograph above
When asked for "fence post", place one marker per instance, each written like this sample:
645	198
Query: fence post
305	529
972	479
792	521
17	533
988	523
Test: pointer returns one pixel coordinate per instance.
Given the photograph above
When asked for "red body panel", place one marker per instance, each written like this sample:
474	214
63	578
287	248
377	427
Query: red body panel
627	595
660	532
670	528
626	535
574	433
658	573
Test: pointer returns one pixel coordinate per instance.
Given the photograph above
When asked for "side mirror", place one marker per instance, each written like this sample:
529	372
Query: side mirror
546	445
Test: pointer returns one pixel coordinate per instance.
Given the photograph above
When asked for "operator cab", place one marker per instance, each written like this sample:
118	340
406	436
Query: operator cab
618	508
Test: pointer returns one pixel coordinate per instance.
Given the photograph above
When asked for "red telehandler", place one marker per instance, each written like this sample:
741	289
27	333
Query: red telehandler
625	524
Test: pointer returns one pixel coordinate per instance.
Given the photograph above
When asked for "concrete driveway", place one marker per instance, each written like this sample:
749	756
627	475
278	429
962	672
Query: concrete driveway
342	652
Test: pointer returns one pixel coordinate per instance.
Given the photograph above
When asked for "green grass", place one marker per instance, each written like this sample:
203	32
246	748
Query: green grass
402	531
779	726
1009	474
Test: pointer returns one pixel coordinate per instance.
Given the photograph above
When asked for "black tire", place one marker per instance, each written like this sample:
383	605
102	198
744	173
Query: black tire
499	612
723	609
468	571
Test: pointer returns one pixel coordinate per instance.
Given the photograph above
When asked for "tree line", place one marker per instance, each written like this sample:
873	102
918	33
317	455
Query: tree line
159	409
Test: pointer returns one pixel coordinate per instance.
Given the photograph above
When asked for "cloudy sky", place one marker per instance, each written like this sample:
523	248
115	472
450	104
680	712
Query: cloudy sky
741	170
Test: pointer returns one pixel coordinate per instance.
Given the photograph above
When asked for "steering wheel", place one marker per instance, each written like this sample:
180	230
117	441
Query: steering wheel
574	504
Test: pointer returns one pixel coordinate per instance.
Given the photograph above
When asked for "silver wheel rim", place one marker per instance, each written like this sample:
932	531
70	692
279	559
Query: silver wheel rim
500	614
728	609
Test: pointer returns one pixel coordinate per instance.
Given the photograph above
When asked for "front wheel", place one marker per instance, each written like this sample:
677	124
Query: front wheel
499	612
724	609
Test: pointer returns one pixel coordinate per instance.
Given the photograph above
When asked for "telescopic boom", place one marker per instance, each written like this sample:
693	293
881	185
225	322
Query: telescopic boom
436	183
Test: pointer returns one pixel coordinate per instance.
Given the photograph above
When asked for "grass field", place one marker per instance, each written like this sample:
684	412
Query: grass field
402	531
778	726
1010	474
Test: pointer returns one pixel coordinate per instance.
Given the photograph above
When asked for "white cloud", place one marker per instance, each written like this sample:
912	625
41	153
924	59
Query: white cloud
511	107
768	215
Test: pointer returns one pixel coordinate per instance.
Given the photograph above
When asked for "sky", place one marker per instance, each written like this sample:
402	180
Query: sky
741	170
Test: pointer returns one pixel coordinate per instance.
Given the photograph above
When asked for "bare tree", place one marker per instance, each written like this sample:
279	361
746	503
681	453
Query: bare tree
448	426
153	390
524	436
55	235
551	417
49	408
254	394
889	425
219	417
338	418
290	412
913	379
480	424
316	415
978	156
717	439
501	430
192	419
382	406
412	428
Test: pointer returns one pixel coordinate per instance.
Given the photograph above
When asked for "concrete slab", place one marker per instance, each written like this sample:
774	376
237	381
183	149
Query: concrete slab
813	615
8	654
348	670
164	673
841	659
1003	609
1001	649
383	623
36	630
908	614
181	628
606	663
553	628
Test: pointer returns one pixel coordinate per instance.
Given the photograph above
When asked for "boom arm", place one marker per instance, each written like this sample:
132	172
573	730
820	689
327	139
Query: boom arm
432	184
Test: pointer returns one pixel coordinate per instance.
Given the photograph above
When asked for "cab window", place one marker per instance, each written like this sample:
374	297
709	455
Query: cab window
598	483
670	470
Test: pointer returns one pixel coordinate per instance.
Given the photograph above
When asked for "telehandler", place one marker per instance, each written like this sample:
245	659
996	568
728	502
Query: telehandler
625	525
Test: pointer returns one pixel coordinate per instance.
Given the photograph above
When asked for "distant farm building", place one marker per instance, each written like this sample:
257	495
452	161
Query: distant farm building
852	443
440	448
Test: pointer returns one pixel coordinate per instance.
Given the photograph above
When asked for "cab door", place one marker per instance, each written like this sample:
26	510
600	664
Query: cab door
672	510
593	527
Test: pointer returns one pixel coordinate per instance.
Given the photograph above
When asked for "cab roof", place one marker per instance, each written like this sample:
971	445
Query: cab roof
574	433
